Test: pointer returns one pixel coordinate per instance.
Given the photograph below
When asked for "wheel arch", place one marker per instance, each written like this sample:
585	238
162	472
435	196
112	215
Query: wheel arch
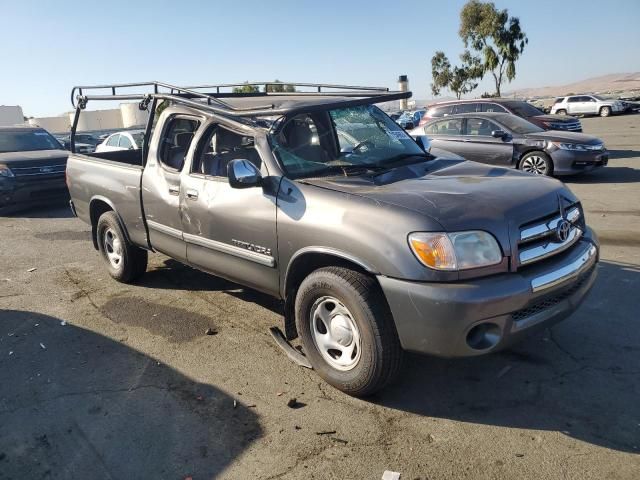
305	261
97	207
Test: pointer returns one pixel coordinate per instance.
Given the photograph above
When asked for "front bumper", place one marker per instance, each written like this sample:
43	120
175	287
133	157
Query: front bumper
484	315
16	194
567	162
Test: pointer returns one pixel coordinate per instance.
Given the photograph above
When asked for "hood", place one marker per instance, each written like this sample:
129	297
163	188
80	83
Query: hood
556	118
34	158
461	195
566	137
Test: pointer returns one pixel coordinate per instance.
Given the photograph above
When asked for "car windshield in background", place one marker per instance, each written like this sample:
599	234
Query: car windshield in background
343	140
16	141
524	109
519	125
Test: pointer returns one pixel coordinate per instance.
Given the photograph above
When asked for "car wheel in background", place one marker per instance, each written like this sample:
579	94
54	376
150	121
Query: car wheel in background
537	163
605	111
125	262
561	112
347	330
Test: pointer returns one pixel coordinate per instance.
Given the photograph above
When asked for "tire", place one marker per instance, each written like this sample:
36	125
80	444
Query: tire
537	163
360	326
561	112
125	262
605	111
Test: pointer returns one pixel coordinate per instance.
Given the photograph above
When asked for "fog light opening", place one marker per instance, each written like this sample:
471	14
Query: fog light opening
484	336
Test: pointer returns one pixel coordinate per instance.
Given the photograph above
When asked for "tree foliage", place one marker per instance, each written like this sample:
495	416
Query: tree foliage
494	35
278	86
459	79
246	88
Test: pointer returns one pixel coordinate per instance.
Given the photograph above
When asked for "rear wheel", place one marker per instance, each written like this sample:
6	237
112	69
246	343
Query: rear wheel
347	330
537	163
605	111
561	112
125	262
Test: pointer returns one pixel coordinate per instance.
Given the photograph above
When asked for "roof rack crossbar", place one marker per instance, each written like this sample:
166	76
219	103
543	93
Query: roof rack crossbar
192	97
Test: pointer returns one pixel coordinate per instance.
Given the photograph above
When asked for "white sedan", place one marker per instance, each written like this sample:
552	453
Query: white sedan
127	140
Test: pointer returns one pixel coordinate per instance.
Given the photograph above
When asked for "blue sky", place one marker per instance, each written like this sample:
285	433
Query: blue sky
47	47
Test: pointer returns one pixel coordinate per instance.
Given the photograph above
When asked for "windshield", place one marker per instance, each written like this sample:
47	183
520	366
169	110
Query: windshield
26	141
524	109
519	125
343	140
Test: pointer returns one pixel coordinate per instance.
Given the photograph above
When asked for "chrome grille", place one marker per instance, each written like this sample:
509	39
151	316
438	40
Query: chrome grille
538	240
39	170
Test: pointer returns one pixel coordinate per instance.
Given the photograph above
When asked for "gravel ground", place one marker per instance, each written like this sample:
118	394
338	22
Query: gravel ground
108	381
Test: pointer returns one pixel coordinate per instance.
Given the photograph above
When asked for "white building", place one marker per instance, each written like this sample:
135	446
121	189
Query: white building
127	115
11	115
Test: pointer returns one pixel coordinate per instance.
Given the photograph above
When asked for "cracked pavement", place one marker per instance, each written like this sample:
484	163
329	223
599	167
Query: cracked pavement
131	387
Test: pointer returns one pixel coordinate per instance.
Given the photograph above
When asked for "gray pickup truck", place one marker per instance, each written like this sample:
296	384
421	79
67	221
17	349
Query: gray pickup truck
320	199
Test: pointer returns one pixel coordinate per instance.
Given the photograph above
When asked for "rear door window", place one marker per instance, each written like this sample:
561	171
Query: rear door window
176	141
452	126
493	107
113	140
574	99
443	111
467	108
124	142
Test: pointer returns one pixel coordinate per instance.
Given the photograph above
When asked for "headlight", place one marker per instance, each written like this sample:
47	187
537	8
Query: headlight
455	251
577	147
5	171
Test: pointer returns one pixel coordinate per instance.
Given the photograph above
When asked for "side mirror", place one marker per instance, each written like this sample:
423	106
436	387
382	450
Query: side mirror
424	142
243	174
498	134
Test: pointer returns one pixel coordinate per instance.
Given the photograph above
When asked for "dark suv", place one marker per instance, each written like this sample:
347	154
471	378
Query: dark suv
501	105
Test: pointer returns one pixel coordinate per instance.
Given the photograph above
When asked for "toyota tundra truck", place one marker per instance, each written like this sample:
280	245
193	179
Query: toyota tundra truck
318	198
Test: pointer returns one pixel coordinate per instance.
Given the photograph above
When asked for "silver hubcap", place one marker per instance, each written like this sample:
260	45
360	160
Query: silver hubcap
335	333
113	247
535	164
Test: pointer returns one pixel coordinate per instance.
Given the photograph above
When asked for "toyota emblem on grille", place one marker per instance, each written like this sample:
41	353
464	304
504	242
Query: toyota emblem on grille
562	230
46	169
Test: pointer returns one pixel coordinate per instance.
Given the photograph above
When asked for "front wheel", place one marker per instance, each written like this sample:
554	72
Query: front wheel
605	111
125	262
537	163
347	330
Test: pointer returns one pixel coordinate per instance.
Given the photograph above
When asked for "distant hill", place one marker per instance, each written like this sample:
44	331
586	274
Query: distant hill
614	82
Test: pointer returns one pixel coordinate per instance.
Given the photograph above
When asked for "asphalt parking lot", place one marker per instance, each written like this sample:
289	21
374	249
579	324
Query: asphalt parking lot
108	381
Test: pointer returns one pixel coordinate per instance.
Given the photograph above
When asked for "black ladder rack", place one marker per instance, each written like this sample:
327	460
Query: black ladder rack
193	95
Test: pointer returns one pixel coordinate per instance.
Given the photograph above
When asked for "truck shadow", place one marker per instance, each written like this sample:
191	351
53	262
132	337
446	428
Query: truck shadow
58	209
174	275
581	378
76	404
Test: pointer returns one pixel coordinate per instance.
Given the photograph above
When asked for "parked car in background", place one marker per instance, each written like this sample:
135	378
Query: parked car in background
586	105
506	140
410	119
516	107
125	140
32	166
85	142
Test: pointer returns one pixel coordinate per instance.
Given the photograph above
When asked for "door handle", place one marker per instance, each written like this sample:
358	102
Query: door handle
192	194
173	190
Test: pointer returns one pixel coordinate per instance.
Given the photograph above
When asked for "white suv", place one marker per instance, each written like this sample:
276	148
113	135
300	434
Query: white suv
586	105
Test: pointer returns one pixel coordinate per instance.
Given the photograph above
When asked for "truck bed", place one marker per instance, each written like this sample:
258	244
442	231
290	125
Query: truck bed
113	179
